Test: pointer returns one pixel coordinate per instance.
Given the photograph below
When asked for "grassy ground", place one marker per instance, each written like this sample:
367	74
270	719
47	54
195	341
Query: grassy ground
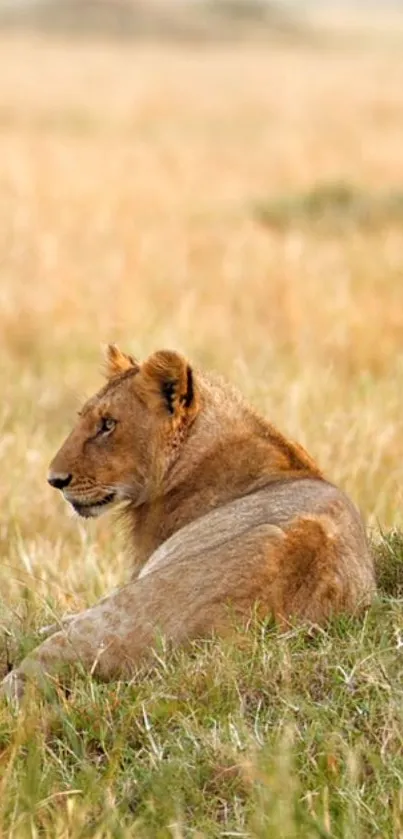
130	182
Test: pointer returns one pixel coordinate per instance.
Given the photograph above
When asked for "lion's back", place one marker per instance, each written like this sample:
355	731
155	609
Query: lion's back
283	505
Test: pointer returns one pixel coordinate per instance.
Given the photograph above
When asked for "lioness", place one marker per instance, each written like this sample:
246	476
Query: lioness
226	515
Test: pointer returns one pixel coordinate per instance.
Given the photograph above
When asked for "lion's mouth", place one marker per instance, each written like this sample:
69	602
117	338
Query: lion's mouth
91	509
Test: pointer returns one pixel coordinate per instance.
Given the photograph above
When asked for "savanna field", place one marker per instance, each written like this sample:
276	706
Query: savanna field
244	205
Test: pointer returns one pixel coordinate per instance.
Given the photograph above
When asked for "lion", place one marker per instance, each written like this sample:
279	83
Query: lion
227	517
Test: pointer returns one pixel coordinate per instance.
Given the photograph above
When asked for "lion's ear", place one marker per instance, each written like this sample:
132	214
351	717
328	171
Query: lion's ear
117	362
168	379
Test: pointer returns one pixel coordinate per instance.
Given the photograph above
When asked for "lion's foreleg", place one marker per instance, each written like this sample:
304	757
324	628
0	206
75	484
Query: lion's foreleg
105	640
178	600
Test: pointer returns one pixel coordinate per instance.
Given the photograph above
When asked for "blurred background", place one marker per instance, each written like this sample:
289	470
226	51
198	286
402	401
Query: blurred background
224	177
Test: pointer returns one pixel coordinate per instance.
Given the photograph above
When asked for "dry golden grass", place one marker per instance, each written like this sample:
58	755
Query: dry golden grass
129	178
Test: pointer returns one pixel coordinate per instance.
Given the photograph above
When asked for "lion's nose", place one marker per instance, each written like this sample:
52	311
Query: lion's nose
59	481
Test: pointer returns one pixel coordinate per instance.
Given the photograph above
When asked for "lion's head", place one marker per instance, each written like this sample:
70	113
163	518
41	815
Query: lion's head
127	434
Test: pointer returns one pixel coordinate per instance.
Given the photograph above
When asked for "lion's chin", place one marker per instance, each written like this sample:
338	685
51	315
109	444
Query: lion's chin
90	510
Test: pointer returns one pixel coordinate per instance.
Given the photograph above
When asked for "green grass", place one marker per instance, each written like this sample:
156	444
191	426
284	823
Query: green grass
297	735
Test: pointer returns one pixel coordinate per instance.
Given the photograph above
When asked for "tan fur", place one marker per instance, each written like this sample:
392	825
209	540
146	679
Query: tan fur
226	515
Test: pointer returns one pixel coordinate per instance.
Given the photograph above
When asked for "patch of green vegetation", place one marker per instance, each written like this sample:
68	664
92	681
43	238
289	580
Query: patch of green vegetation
287	736
389	564
332	205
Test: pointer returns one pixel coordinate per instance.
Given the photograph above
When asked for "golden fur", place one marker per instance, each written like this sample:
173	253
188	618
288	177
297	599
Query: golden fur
226	515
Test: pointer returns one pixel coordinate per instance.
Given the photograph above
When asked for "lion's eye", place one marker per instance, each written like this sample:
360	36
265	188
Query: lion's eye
106	425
